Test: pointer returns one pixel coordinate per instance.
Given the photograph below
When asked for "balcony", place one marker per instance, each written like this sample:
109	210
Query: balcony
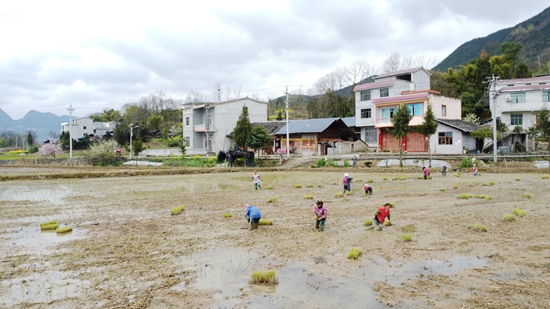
383	122
202	128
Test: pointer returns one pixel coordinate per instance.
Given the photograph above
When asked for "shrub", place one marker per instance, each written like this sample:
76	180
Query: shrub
527	195
321	162
264	277
508	218
519	212
464	196
466	163
354	253
64	229
297	186
405	237
338	194
227	215
308	197
367	222
272	200
478	227
177	210
265	222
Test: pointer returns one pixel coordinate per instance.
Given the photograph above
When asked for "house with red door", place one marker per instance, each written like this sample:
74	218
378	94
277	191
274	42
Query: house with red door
377	101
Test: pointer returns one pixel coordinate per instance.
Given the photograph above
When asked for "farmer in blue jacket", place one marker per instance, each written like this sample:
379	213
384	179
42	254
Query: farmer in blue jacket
253	216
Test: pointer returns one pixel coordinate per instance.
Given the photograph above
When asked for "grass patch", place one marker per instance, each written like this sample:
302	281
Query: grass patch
455	186
527	195
227	215
177	210
508	218
478	227
64	229
297	186
272	200
367	222
354	253
338	194
441	189
544	176
265	222
464	196
407	229
264	277
405	237
519	212
308	197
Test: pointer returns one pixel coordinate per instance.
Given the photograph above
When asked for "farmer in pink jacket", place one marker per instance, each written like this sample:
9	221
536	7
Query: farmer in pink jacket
320	212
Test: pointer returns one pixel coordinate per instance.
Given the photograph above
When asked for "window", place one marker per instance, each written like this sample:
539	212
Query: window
546	96
516	119
365	95
445	138
187	139
384	92
416	109
387	113
518	97
443	110
186	121
366	113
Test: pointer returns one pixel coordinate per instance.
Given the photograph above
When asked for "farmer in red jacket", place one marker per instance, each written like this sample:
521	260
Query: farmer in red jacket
380	216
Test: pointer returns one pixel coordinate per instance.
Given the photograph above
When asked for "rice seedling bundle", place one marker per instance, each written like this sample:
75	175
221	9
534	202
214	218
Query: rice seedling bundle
479	196
49	226
309	186
265	222
488	197
464	196
338	194
349	193
177	210
478	227
264	277
519	212
367	222
405	237
544	176
455	186
48	223
527	195
470	184
354	253
409	228
508	217
297	186
272	200
517	179
269	188
227	215
387	223
64	229
308	197
441	189
370	181
457	174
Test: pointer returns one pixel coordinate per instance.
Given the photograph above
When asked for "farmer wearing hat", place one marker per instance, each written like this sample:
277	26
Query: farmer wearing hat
380	216
256	178
368	189
347	183
252	215
320	212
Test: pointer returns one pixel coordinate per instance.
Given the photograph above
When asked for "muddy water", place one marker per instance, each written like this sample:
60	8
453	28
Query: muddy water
33	237
47	194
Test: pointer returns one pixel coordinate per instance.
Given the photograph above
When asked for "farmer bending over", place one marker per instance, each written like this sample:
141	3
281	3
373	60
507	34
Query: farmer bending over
347	183
426	172
368	189
380	216
320	211
252	215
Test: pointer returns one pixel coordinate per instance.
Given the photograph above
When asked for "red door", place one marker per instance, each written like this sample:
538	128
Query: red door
416	142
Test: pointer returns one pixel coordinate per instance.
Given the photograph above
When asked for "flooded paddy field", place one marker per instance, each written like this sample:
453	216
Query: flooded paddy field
126	250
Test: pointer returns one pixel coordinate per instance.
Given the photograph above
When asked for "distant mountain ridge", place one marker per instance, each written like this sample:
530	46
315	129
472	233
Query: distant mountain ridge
536	45
41	123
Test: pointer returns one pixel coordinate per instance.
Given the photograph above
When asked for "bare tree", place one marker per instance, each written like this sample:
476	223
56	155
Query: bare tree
53	135
392	63
196	97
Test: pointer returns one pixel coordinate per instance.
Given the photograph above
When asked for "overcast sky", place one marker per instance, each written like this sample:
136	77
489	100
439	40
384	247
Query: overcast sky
103	54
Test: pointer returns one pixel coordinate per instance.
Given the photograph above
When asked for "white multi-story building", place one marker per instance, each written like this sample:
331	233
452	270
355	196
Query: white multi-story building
86	125
207	124
519	101
376	102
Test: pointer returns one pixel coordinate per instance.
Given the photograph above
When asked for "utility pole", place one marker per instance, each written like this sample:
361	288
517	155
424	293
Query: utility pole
493	105
183	142
71	110
131	135
287	134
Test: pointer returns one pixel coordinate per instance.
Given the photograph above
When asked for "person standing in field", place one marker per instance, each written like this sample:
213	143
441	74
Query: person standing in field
257	179
320	212
380	216
474	169
252	215
347	183
354	162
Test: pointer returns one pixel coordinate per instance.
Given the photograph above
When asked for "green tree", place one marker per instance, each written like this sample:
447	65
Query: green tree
121	134
485	133
400	120
242	129
258	138
31	138
104	153
428	128
543	125
138	146
279	115
154	122
108	115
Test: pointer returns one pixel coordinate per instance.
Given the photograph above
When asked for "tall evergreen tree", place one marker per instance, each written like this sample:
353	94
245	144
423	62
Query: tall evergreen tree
543	125
400	120
258	138
428	128
242	129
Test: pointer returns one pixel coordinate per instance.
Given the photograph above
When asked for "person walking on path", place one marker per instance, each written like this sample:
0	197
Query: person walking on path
368	189
252	215
444	170
257	180
320	212
426	172
347	183
380	216
474	169
354	162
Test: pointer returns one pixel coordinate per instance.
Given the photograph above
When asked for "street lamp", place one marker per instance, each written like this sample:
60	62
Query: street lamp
132	127
71	110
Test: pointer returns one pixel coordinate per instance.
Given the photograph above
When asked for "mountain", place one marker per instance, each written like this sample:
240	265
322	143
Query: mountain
536	45
41	123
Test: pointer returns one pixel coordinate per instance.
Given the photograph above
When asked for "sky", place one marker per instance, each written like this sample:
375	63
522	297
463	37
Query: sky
97	55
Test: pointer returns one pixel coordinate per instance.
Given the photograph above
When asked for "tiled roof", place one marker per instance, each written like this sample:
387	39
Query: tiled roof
401	98
538	79
368	86
407	71
525	88
271	126
459	124
307	126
